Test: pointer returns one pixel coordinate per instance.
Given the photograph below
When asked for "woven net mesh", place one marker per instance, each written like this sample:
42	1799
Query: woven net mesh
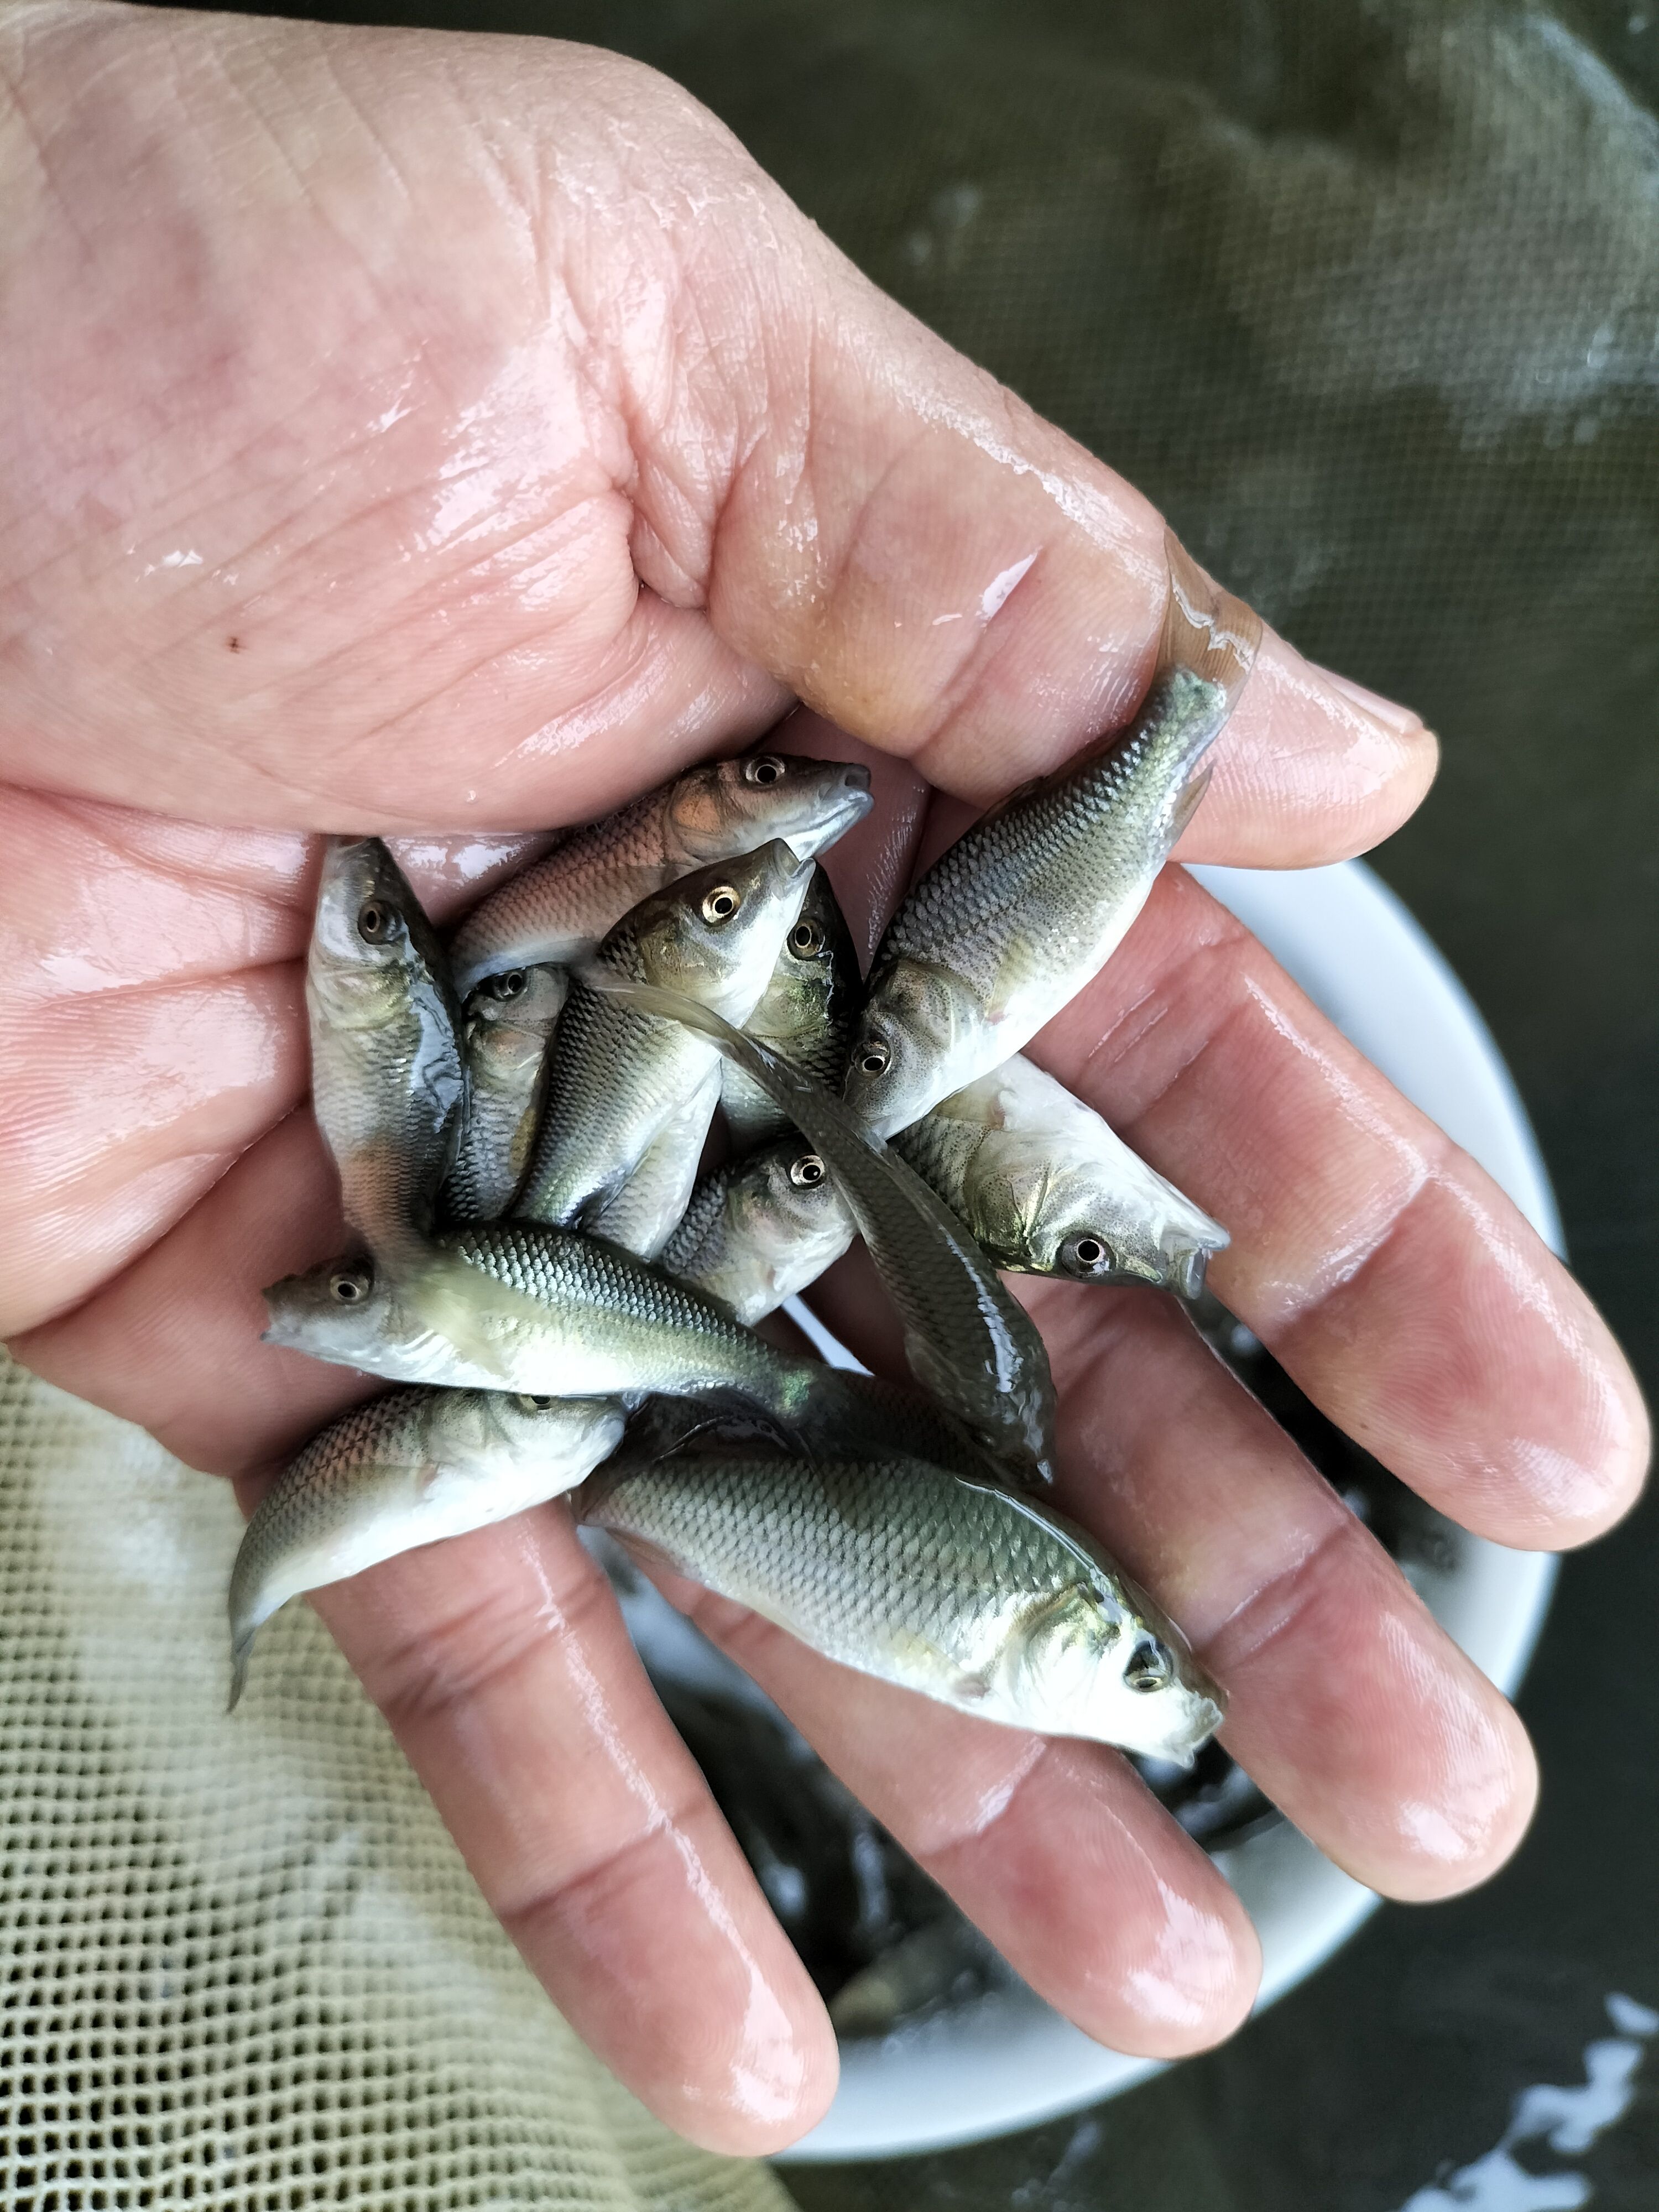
244	1964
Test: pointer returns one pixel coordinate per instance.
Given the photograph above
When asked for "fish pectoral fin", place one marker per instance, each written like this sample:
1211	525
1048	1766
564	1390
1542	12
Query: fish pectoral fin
1190	800
441	1304
918	1658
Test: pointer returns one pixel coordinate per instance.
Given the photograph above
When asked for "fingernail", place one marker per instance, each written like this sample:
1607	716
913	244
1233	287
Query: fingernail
1392	717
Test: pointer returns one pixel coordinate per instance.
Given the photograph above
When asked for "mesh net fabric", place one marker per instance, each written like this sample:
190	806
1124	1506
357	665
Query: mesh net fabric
245	1965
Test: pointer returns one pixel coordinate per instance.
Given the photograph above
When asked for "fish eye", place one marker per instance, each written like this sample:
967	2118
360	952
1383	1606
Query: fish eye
512	984
1086	1256
722	903
876	1057
377	923
806	940
765	769
807	1172
350	1286
1149	1665
533	1402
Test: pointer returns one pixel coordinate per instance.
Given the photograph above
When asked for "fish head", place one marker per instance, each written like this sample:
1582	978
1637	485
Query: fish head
335	1312
713	936
733	806
372	947
569	1434
1106	1230
509	1017
1042	1204
1098	1659
817	970
521	998
919	1021
1086	1230
784	1194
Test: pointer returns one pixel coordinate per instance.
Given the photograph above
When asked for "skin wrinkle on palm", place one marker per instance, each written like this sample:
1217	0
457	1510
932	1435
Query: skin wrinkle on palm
133	1277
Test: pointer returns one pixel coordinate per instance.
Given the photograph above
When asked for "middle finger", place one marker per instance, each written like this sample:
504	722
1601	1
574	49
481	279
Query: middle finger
1347	1704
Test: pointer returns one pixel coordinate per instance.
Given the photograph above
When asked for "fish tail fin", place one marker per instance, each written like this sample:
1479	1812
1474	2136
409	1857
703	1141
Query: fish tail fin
1206	630
241	1648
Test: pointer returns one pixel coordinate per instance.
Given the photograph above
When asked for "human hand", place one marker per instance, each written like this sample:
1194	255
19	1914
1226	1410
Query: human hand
422	433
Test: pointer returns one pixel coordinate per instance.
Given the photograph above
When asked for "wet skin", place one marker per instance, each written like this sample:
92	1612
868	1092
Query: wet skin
343	487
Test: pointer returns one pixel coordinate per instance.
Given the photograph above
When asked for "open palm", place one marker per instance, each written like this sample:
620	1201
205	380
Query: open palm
448	438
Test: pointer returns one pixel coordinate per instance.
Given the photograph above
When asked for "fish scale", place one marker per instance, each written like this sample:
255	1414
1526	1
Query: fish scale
806	1014
406	1470
1095	817
682	1343
617	1077
387	1083
559	909
1025	909
919	1578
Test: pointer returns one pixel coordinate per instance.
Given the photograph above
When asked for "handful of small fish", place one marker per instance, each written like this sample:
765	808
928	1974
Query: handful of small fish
519	1117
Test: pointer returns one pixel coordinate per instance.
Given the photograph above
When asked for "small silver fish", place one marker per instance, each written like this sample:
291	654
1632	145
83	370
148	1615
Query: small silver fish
945	1961
511	1306
619	1076
559	909
853	1416
648	1208
1048	1188
806	1014
967	1339
386	1079
760	1230
957	1589
408	1469
506	1026
1027	907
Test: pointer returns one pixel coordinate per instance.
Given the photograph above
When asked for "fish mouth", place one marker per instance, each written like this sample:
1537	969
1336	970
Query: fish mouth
785	865
281	1328
850	802
1204	1717
1187	1270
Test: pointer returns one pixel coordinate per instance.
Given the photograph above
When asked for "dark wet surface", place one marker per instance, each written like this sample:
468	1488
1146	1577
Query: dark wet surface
1367	297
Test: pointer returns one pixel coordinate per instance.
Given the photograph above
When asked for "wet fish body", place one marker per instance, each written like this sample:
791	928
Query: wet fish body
958	1589
968	1341
513	1306
619	1076
806	1014
387	1078
507	1026
1047	1187
408	1469
559	909
646	1213
760	1230
1010	923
